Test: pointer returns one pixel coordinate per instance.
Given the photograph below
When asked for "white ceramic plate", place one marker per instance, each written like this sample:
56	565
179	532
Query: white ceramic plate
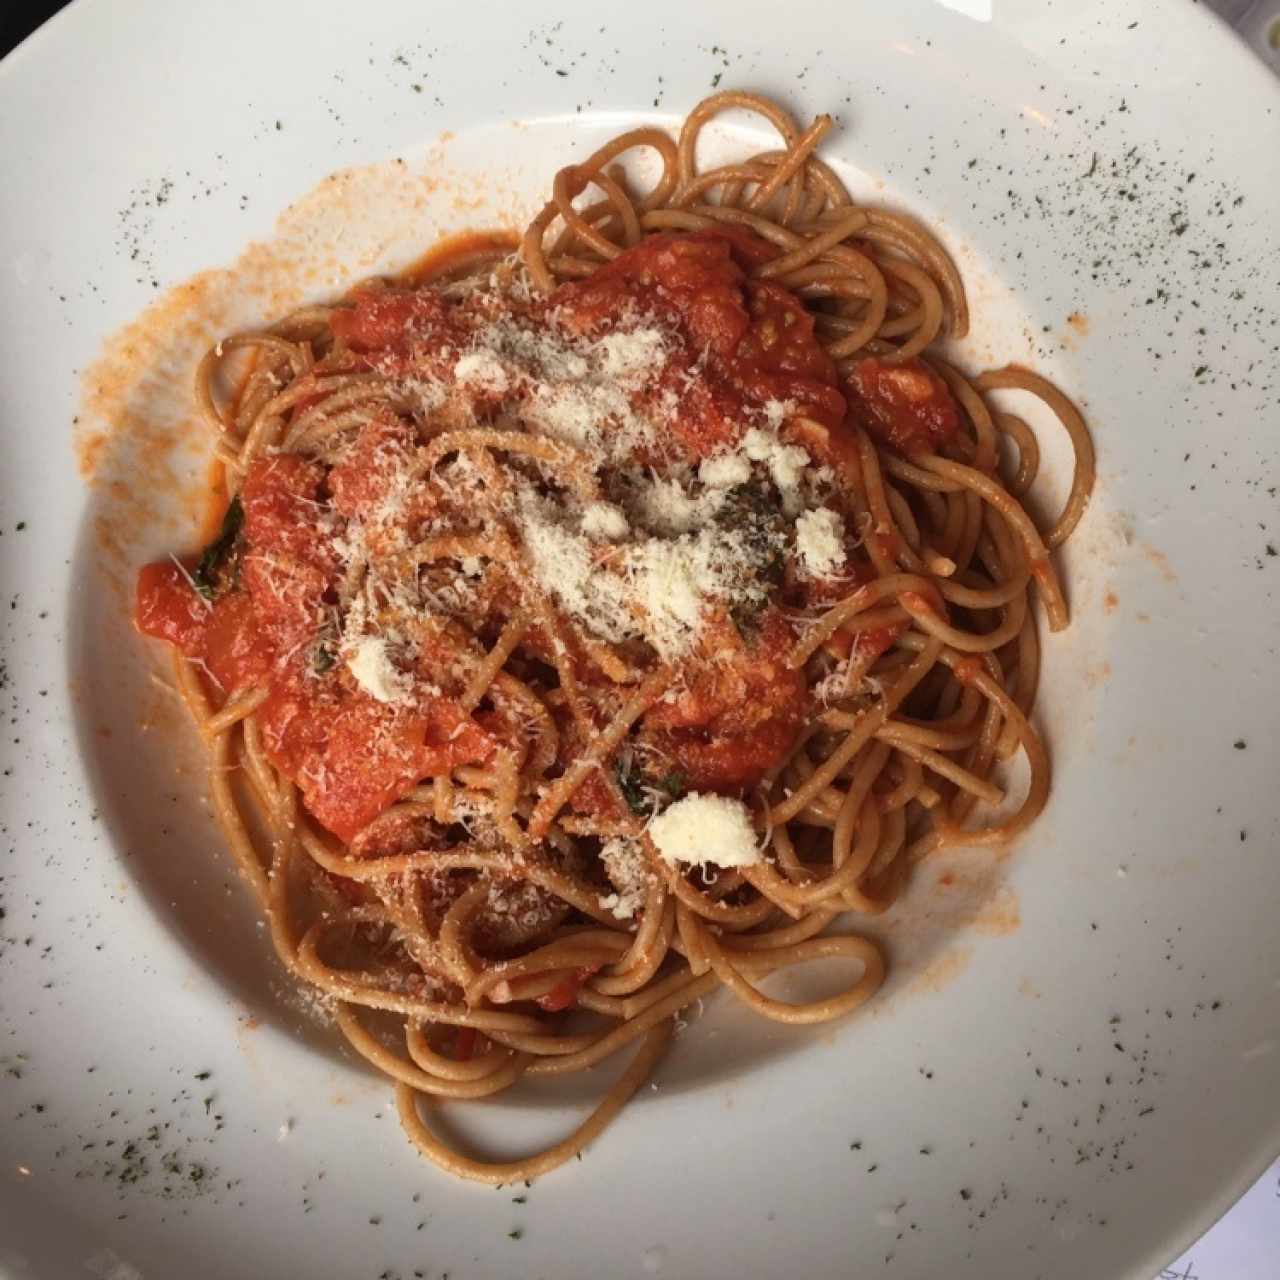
1075	1067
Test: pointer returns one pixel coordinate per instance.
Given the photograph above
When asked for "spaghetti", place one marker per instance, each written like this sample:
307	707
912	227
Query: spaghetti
591	626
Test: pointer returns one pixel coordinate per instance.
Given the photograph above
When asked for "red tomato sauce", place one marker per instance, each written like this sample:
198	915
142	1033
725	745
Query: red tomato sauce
387	320
737	343
349	754
353	756
757	339
564	995
869	644
906	405
737	715
223	636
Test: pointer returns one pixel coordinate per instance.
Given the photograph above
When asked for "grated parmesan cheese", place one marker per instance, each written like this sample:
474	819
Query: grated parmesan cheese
484	370
562	563
786	464
603	522
776	412
673	582
725	471
577	390
820	542
634	355
662	504
706	830
637	551
374	672
628	871
653	588
429	393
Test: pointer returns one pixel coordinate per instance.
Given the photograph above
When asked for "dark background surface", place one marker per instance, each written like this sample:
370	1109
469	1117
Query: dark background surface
19	18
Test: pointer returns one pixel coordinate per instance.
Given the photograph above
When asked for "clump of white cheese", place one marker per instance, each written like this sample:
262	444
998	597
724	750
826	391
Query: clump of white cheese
820	542
706	830
374	671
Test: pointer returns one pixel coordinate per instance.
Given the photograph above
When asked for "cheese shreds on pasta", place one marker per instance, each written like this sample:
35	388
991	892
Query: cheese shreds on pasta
820	542
595	618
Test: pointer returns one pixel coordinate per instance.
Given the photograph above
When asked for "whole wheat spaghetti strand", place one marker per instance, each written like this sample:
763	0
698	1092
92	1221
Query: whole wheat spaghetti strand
1014	377
556	797
530	1167
381	619
1037	554
413	1076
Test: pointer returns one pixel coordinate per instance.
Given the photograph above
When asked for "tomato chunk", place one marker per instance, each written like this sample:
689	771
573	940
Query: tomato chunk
387	318
738	715
167	607
749	340
353	756
564	995
223	636
906	405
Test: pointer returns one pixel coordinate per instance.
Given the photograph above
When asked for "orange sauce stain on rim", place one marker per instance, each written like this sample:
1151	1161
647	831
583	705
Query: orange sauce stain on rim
1160	561
968	893
139	440
941	972
1097	674
955	896
1079	322
1000	916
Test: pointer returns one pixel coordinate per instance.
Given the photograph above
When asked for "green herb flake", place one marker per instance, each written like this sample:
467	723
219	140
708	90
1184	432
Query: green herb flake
752	510
632	787
673	784
219	563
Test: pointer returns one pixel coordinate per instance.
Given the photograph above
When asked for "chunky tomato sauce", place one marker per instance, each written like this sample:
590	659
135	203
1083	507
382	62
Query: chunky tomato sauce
740	339
350	755
746	339
906	405
737	714
736	347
